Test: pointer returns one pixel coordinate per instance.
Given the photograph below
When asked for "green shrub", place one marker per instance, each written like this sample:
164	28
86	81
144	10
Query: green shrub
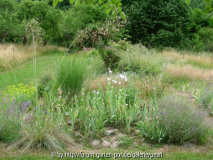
129	66
196	44
209	46
155	24
139	60
121	44
80	17
175	121
110	58
197	4
92	53
149	68
206	35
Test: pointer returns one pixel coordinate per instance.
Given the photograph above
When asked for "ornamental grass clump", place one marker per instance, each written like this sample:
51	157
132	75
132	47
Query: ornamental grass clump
175	121
71	75
43	127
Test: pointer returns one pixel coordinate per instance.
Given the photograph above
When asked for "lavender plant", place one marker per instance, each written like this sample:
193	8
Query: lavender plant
175	120
11	118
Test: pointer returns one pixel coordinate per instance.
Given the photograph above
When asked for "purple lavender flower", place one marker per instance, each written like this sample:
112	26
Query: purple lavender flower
24	106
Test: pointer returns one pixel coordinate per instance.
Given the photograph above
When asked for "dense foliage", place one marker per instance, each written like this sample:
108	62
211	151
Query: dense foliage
167	23
161	23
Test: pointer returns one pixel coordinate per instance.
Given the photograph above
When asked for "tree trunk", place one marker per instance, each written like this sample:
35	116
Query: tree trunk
24	40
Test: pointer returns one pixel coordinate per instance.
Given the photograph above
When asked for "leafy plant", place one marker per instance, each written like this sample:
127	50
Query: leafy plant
121	44
43	127
110	5
206	34
175	121
11	118
197	44
156	28
97	109
110	58
21	93
92	53
44	84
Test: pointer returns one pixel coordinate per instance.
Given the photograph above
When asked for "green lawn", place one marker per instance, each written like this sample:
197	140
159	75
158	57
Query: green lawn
175	155
25	73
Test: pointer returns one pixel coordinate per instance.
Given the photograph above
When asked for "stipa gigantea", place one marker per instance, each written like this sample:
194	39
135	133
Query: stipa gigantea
34	32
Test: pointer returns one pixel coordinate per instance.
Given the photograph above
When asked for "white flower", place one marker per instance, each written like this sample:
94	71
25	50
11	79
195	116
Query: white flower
108	79
110	72
119	82
66	113
115	81
125	80
121	76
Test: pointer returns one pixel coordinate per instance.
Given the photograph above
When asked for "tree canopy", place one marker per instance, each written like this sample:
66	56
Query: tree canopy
7	18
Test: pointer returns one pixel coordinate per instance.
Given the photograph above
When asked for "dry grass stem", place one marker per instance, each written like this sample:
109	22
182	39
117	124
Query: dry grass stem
190	72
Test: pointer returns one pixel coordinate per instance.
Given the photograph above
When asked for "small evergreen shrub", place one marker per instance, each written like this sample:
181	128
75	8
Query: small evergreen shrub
175	121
